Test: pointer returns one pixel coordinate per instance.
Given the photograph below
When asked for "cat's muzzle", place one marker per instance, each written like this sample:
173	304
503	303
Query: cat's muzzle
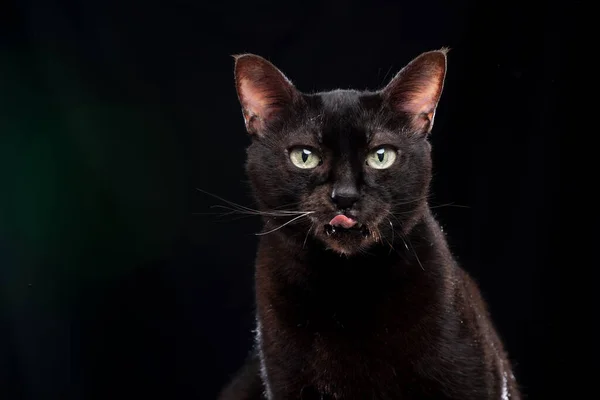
331	229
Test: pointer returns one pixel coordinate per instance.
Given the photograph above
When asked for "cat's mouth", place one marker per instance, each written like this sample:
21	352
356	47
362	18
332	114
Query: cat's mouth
344	224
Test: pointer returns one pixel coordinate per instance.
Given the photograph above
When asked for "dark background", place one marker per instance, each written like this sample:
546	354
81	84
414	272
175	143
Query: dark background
114	112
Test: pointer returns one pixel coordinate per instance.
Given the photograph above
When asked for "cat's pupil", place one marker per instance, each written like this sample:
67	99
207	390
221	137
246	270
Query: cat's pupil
305	154
380	154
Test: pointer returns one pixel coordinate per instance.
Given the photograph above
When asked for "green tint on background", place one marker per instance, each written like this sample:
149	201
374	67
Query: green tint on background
89	189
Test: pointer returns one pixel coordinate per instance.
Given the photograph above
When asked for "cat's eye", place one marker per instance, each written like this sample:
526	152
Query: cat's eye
304	158
381	158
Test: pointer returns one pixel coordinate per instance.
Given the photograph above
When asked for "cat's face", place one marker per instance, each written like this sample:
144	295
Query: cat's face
358	163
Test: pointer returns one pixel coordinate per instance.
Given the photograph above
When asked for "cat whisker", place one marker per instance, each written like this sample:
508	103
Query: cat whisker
449	205
396	214
238	208
408	244
231	203
393	237
281	213
415	253
286	205
307	233
410	201
287	223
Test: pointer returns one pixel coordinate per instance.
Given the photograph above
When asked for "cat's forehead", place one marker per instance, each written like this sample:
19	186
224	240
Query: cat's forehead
343	113
342	102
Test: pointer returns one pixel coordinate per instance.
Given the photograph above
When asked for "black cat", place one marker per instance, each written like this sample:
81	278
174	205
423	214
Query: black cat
358	296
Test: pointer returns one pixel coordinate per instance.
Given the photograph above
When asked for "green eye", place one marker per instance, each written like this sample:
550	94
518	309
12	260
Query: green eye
304	158
381	158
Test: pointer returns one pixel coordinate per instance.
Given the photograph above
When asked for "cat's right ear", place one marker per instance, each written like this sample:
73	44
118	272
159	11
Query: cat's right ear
415	91
263	90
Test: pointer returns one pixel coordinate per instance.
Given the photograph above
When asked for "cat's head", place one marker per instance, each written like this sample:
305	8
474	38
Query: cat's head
357	161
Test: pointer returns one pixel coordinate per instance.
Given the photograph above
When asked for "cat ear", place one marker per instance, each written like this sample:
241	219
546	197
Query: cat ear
263	90
417	88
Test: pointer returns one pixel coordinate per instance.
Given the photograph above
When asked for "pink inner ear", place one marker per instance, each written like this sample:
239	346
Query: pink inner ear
416	90
422	104
258	104
253	101
262	89
423	99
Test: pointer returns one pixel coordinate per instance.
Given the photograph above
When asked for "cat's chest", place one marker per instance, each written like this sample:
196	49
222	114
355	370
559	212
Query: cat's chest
339	363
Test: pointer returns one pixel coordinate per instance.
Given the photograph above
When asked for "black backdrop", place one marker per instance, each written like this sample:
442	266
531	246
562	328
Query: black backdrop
114	284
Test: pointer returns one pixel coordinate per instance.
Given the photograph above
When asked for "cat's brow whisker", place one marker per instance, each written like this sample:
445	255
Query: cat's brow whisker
287	223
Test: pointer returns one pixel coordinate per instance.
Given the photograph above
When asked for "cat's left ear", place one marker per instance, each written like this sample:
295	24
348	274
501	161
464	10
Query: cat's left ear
417	88
265	93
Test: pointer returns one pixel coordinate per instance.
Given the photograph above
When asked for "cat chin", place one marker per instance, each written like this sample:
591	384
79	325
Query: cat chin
346	243
341	250
346	250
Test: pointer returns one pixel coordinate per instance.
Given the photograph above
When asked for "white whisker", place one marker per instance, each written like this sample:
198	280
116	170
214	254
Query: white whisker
393	237
281	213
235	208
307	233
404	239
231	203
416	256
287	223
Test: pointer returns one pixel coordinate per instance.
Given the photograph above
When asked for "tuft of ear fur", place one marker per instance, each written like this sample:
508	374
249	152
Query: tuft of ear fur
263	90
417	88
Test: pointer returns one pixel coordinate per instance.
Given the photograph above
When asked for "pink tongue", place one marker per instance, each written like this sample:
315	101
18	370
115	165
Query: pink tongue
343	221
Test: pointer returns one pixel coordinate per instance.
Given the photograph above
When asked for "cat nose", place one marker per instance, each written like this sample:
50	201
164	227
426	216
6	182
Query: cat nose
344	196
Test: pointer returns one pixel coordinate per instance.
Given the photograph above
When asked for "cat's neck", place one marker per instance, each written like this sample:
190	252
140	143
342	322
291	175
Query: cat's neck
299	282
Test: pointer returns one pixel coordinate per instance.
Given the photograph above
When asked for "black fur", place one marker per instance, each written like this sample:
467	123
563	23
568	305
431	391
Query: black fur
383	313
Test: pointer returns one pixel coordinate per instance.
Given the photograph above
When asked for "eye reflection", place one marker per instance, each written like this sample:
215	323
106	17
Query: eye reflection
381	158
304	158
